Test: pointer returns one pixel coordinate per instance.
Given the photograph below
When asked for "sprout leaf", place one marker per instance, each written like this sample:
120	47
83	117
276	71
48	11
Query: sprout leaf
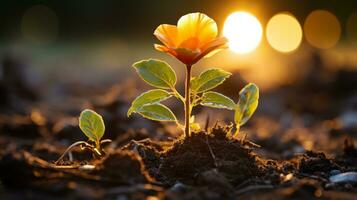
247	104
92	125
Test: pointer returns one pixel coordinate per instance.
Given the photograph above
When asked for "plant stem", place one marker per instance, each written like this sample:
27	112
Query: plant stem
187	101
70	147
237	131
178	95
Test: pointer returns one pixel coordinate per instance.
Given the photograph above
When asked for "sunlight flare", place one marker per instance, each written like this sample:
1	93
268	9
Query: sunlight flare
284	32
243	31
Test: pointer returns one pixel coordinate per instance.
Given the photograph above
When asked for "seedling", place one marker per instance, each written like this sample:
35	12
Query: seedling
194	37
92	125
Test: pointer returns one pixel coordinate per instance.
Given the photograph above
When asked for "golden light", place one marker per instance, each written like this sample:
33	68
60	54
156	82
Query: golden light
284	32
322	29
243	31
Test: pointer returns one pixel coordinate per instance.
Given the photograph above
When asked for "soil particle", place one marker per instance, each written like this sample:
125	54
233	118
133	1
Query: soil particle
124	167
198	193
304	189
348	160
316	163
147	149
214	178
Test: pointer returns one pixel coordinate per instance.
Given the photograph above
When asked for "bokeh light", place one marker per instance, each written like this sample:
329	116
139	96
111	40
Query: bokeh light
322	29
243	31
284	32
39	25
351	28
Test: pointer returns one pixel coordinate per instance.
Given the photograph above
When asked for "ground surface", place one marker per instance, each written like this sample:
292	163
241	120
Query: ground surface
301	136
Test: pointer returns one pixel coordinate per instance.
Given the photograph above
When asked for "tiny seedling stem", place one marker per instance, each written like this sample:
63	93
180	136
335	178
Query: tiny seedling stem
237	131
187	101
71	147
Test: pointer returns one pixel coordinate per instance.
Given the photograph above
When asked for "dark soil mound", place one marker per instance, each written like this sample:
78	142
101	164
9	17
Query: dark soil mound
186	158
316	162
123	166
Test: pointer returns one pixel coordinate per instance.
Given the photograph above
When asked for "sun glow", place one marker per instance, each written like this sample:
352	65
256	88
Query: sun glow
284	32
243	31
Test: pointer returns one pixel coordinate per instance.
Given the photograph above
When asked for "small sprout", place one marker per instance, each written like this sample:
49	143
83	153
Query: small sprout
200	40
246	106
92	125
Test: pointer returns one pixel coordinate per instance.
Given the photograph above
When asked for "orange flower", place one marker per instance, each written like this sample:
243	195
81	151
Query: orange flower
194	37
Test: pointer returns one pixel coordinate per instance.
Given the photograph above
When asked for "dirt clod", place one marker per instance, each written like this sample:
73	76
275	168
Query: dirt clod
316	162
186	158
125	167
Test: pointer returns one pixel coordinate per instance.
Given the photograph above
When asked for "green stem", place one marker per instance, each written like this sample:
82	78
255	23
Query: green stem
195	100
177	94
187	101
71	147
237	131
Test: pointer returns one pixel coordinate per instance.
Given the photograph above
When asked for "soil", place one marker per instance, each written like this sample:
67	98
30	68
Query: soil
288	157
207	165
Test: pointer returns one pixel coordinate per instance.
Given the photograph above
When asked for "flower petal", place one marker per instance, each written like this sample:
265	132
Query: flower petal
197	25
167	34
161	48
191	43
213	47
165	49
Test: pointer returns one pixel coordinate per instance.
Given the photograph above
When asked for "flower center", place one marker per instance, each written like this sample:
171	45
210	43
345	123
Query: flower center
192	43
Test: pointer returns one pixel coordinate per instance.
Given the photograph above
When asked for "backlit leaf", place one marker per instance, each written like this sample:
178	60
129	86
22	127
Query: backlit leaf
217	100
157	112
208	79
156	73
149	97
247	104
92	125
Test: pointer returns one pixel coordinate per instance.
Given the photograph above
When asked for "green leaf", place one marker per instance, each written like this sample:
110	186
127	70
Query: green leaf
156	73
92	125
247	104
208	79
217	100
157	112
149	97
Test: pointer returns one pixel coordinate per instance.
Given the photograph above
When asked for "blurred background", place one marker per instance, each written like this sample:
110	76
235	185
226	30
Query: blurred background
70	40
302	54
